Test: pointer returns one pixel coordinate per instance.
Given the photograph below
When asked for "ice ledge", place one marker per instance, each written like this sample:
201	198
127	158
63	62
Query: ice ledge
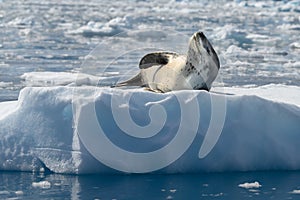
41	129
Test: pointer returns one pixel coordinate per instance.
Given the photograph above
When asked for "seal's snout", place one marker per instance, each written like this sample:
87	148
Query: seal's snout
201	39
201	36
204	46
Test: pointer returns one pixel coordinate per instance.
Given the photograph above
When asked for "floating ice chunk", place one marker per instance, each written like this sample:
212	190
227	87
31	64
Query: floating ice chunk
110	28
261	130
233	49
4	192
254	190
257	36
292	64
5	84
289	6
250	185
225	31
22	21
19	192
59	78
295	45
289	27
295	192
42	184
236	51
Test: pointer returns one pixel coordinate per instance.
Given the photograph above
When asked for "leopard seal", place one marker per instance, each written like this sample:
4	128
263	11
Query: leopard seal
169	71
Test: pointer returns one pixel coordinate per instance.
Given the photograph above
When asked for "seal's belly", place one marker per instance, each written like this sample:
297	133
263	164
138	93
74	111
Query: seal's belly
165	78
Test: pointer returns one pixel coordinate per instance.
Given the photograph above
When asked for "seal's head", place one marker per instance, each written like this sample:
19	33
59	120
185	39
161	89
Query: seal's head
201	51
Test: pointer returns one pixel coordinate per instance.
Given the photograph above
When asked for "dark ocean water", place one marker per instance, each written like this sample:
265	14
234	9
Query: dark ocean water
274	185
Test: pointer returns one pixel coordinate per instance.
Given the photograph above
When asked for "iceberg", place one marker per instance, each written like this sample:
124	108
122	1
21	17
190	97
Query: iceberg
80	130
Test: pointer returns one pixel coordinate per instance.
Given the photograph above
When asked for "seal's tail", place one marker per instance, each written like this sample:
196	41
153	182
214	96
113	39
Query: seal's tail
135	81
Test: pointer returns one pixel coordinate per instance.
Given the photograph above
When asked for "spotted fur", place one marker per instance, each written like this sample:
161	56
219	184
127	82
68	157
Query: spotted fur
167	71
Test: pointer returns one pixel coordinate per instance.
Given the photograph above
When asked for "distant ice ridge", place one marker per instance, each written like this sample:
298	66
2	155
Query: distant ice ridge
110	28
58	78
261	129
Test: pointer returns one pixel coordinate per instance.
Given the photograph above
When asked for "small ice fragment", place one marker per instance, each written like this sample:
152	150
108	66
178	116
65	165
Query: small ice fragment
250	185
19	192
295	45
254	191
4	192
57	184
295	192
42	184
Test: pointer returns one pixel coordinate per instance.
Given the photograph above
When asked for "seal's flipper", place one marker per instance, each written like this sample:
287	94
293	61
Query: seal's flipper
135	81
151	90
156	58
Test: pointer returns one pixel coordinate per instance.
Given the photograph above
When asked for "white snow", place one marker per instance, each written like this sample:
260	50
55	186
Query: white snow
261	129
59	78
250	185
273	92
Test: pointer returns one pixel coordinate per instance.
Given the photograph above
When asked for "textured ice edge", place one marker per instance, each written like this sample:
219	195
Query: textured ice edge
38	131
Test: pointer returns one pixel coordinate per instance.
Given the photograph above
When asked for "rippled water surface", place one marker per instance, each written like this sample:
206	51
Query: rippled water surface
271	185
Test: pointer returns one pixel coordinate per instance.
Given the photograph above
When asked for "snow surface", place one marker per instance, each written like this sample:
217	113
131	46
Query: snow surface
274	92
261	129
58	78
